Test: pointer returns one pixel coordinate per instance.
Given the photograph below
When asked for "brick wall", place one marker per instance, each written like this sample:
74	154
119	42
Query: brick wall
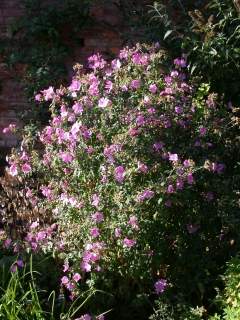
106	35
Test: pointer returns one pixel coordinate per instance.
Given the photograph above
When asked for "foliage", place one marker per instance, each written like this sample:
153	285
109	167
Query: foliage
134	166
210	36
26	293
229	299
166	311
40	42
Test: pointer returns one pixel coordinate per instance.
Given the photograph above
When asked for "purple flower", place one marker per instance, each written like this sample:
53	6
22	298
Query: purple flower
179	184
95	232
96	62
135	84
153	88
128	243
10	128
178	109
48	94
76	277
85	266
180	62
146	194
98	217
65	280
95	200
220	167
104	102
7	243
26	168
66	157
186	163
170	189
190	179
142	167
77	108
20	263
133	221
160	286
85	317
116	64
75	85
202	131
117	232
173	157
119	174
158	146
13	170
38	97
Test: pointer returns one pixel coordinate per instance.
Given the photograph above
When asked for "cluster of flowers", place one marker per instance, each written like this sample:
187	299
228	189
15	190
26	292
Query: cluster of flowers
124	142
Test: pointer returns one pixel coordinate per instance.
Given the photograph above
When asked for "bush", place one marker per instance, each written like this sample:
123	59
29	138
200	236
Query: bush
134	166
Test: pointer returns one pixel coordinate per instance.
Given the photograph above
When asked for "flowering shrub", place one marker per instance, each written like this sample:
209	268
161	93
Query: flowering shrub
133	167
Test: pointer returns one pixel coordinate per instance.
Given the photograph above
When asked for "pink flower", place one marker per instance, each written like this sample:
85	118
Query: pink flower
77	108
117	232
153	88
26	168
85	317
7	243
75	85
98	217
95	200
66	157
133	221
64	280
95	232
119	174
160	286
85	266
96	62
158	146
65	267
109	86
10	128
170	189
142	167
203	131
48	94
173	157
146	194
128	243
13	170
140	120
38	97
116	64
178	109
41	235
179	184
76	277
186	163
135	84
190	179
104	102
181	62
34	225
